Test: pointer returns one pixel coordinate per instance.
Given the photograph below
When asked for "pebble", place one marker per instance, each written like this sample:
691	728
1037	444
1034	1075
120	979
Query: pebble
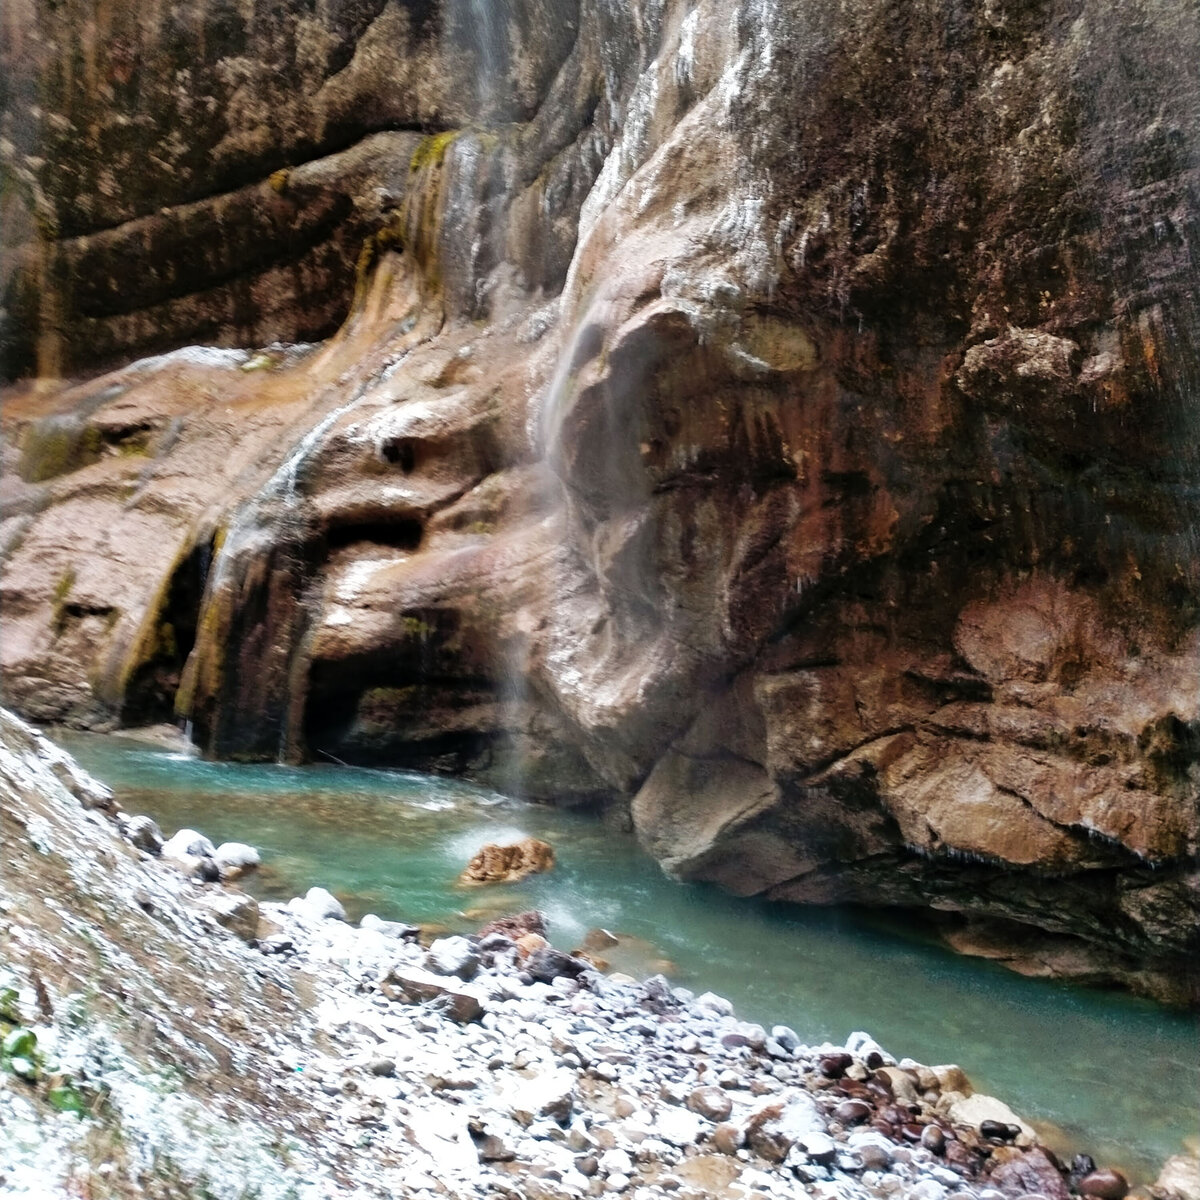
852	1112
1106	1184
933	1139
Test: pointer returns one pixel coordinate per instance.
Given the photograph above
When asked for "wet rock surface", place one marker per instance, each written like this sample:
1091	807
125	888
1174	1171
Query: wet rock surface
780	426
509	864
326	1059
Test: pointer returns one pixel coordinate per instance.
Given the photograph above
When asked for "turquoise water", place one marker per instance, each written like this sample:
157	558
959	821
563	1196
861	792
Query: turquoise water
1115	1076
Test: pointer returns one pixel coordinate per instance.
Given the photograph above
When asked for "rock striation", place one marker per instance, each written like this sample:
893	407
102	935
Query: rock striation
774	421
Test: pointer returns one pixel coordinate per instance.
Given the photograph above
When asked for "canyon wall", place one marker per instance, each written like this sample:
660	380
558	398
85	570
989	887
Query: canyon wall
777	420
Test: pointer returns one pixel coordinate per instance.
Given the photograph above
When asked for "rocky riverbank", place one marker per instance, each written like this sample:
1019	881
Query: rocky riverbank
167	1036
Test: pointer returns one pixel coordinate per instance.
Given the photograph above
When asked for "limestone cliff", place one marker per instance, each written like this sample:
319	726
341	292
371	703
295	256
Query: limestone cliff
779	417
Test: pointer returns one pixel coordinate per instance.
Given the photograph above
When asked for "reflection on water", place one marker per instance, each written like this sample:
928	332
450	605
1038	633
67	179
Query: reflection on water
1118	1076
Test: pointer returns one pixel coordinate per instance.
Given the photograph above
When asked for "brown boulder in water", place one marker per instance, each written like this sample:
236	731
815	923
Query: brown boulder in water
517	925
508	864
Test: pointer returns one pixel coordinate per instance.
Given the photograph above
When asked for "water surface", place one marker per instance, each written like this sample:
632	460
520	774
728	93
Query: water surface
1116	1076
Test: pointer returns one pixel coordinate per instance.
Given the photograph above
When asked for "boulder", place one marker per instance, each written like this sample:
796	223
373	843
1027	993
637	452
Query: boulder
236	911
546	964
550	1095
516	926
712	1103
452	956
318	904
1030	1171
1179	1179
774	1127
977	1109
144	833
234	858
188	844
391	929
1105	1184
415	986
508	864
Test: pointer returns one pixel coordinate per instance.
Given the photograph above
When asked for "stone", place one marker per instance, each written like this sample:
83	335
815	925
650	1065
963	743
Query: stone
712	1103
515	927
873	1148
902	1085
188	844
550	1095
382	1067
413	986
833	1066
927	1189
773	1128
235	911
1105	1183
202	868
547	964
391	929
678	1126
998	1131
786	1037
818	1146
493	1148
976	1109
852	1112
728	1138
452	956
234	858
144	833
1179	1178
1029	1171
616	1162
933	1138
952	1079
508	864
319	905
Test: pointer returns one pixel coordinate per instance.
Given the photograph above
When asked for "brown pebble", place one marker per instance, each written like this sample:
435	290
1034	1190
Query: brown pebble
852	1112
998	1130
874	1060
1105	1183
911	1133
933	1139
833	1066
727	1139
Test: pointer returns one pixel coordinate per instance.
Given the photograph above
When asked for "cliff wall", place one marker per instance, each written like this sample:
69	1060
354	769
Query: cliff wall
779	419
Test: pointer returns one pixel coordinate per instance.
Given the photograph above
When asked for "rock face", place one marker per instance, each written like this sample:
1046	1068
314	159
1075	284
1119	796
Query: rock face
778	419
